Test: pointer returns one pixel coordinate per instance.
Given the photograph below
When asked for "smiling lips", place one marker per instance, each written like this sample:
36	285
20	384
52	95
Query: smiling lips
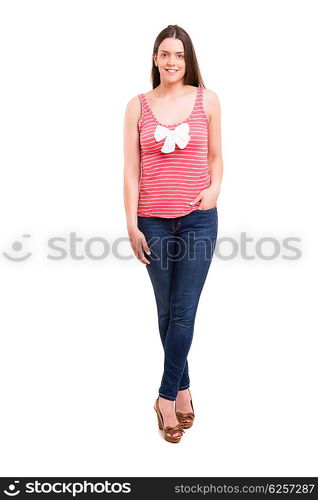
171	70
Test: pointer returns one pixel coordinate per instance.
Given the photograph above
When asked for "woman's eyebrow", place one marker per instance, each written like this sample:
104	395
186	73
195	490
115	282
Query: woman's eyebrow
178	52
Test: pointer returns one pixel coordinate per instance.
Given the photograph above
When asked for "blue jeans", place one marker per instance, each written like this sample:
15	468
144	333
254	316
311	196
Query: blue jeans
181	253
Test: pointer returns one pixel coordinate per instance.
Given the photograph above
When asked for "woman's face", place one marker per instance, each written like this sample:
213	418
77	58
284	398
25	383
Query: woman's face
170	57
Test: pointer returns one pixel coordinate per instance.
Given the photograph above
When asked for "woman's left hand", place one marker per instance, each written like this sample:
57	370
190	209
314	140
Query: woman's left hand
208	198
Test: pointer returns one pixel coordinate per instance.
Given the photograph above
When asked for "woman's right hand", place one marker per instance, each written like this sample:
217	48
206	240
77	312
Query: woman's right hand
139	244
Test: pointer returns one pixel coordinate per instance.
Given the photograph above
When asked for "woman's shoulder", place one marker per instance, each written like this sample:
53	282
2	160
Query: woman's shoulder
133	101
210	94
211	103
133	105
210	99
133	109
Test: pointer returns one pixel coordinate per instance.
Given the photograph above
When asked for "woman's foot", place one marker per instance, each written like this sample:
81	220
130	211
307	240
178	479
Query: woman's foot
183	405
168	412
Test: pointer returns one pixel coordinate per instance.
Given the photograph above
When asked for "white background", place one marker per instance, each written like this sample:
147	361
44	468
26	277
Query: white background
81	358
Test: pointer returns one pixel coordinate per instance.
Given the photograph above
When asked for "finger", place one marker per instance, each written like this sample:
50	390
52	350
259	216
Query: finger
198	198
145	246
142	243
143	259
141	255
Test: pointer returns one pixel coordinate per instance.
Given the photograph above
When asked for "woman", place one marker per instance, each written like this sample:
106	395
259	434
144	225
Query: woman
172	176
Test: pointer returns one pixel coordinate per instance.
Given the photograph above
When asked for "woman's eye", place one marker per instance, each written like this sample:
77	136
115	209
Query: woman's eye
179	55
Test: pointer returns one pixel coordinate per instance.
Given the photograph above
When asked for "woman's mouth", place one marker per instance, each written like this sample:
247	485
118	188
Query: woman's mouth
171	70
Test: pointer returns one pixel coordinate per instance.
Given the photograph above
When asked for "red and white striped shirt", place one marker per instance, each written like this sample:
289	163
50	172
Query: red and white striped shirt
171	179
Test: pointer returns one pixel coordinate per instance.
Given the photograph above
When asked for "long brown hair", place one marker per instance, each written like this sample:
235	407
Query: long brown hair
192	74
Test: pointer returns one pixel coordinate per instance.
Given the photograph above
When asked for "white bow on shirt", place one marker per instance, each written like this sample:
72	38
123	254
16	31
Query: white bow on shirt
180	135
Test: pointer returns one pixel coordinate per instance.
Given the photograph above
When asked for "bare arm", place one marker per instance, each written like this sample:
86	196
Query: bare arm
212	109
132	176
215	160
131	162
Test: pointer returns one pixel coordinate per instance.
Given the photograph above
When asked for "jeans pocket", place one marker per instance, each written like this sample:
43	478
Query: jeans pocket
206	210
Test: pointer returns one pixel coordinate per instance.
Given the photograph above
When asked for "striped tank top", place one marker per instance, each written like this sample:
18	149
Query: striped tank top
174	166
